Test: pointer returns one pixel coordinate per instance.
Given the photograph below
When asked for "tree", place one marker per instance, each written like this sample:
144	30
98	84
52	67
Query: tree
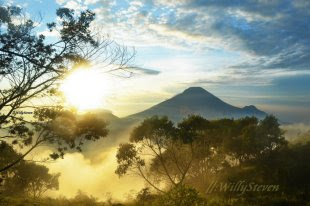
231	145
196	152
31	68
82	199
32	180
253	139
145	197
7	154
182	196
288	167
159	151
58	127
26	178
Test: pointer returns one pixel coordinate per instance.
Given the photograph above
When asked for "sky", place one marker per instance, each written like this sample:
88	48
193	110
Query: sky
250	52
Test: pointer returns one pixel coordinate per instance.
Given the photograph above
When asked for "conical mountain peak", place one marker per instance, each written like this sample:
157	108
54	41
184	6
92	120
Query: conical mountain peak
196	100
196	90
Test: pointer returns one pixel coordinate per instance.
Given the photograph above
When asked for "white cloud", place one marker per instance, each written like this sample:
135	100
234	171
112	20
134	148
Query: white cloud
88	2
60	2
164	30
136	3
293	131
47	33
76	5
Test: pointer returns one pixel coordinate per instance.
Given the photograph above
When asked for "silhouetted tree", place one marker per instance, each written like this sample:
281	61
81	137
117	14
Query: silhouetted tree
155	152
26	178
82	199
32	180
145	197
196	151
56	126
31	68
182	196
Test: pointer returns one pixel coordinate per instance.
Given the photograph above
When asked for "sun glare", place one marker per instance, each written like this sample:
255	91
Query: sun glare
85	89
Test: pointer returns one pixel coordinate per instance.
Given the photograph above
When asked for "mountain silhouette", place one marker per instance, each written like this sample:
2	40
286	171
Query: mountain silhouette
196	100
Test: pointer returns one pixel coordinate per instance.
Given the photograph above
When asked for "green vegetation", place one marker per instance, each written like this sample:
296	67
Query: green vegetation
181	163
25	179
207	155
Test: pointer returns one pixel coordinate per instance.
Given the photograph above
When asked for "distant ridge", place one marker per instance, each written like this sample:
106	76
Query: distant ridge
196	100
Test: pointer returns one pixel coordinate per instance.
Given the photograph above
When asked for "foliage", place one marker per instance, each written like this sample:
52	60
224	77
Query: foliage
32	180
31	68
61	201
82	199
26	178
62	128
196	150
155	137
145	197
220	150
182	196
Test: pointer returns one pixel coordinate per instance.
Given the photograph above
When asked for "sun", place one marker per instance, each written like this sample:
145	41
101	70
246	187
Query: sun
85	89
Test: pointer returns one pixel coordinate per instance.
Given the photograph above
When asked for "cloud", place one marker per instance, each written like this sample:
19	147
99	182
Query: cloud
293	131
88	2
60	2
77	5
93	171
140	70
183	35
48	33
79	173
275	34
